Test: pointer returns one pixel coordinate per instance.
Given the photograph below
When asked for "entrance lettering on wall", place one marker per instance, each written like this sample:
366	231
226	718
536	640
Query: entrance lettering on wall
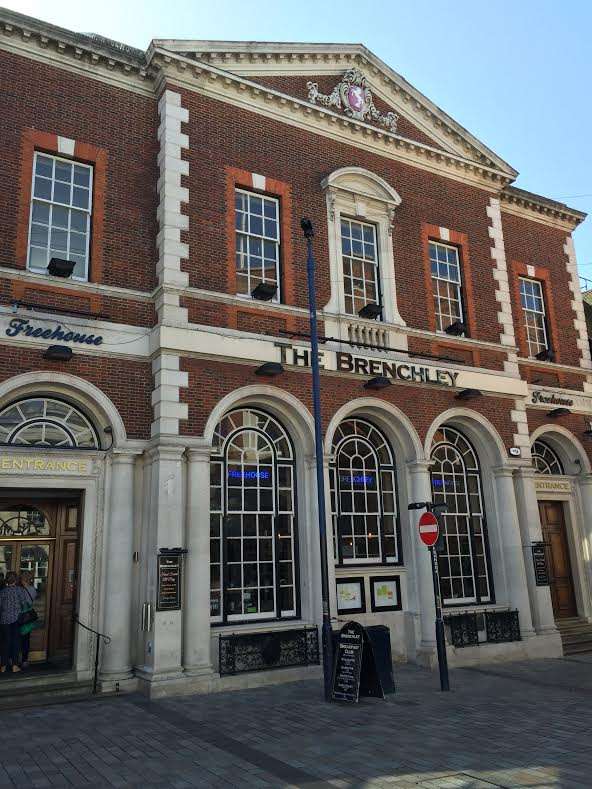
552	485
23	326
18	463
370	366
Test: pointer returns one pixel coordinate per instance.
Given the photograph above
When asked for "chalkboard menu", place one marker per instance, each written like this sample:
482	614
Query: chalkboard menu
169	582
348	663
541	568
354	669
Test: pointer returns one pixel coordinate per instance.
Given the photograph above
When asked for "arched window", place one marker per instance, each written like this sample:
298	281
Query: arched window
252	520
46	422
456	481
545	459
363	496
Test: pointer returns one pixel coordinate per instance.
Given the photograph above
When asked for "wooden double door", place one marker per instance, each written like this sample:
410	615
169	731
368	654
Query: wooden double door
41	537
560	575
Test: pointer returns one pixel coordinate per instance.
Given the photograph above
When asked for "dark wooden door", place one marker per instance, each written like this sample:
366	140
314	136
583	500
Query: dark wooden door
555	537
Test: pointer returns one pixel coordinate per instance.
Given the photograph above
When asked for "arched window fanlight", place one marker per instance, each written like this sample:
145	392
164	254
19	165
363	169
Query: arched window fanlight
46	422
545	459
364	495
253	531
463	563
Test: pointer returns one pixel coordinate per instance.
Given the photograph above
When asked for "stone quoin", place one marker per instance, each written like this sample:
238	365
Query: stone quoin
157	469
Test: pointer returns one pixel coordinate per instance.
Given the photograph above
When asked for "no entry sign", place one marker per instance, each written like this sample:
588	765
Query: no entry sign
428	529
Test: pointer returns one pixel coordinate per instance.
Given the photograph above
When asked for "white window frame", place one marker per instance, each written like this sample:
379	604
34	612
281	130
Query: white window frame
51	203
543	313
363	261
263	239
356	193
456	284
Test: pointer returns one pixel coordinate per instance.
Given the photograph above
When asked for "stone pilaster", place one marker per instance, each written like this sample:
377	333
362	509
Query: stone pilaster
116	662
196	604
421	490
511	542
530	529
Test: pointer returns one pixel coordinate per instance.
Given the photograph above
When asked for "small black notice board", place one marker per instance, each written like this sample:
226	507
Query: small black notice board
541	568
354	668
169	582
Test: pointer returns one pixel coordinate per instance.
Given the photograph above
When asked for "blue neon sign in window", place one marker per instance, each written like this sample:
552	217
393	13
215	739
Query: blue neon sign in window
357	479
234	474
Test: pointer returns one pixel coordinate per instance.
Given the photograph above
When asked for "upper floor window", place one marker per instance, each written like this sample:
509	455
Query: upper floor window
535	320
446	284
257	242
360	265
61	207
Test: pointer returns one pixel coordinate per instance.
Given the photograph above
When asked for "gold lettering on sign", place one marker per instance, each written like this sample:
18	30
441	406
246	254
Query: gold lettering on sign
552	485
43	464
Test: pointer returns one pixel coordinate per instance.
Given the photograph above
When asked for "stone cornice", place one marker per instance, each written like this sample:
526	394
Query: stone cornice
540	209
97	56
225	86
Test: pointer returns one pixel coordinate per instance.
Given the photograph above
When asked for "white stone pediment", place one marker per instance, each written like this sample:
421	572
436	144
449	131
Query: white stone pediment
253	60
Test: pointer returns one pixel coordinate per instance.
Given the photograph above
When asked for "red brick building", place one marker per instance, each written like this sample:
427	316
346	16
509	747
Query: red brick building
151	264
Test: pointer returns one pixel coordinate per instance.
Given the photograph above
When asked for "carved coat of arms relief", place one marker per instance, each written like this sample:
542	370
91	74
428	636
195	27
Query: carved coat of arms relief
354	97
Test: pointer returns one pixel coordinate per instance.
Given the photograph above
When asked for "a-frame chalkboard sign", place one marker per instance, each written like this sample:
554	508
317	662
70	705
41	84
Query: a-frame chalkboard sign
354	668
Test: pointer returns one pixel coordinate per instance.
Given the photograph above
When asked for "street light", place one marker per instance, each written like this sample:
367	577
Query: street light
326	633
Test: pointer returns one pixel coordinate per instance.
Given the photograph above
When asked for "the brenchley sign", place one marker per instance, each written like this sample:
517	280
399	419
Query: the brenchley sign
23	327
342	362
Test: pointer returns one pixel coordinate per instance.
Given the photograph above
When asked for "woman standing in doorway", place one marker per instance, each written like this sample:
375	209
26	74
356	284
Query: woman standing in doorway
26	583
13	599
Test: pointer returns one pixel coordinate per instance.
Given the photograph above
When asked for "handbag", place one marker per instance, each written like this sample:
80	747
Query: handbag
29	615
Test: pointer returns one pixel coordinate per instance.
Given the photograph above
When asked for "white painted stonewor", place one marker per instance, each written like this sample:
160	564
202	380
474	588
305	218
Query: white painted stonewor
530	528
511	541
116	656
585	486
196	603
421	490
171	250
168	380
165	527
577	304
500	274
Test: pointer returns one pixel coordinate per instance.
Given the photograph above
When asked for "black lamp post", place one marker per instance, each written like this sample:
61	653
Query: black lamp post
308	231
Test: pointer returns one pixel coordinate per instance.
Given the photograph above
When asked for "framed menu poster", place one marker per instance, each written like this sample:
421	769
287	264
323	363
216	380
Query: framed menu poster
385	593
351	598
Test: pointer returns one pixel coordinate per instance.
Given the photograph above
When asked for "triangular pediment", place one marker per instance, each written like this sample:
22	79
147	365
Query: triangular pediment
348	79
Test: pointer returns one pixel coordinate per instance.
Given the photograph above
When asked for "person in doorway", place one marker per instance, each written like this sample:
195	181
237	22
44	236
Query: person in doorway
13	599
26	582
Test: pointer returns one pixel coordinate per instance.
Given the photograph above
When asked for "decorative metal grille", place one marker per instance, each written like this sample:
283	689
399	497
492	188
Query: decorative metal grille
243	652
25	522
502	626
463	629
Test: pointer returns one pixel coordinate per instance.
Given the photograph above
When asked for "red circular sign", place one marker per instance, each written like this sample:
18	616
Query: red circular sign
428	528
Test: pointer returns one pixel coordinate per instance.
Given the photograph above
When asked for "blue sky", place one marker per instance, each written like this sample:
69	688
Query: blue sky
516	74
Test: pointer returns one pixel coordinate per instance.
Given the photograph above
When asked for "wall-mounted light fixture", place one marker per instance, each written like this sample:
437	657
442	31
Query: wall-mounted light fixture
456	329
370	311
469	394
270	369
264	291
379	382
553	414
546	355
58	353
58	267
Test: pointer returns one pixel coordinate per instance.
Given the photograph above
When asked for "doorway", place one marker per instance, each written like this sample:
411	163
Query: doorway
40	536
560	577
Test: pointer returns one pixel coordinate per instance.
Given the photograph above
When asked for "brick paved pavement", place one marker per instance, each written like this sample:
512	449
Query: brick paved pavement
527	725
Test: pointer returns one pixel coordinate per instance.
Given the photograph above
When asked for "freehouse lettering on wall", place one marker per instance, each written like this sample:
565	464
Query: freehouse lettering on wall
369	366
24	327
